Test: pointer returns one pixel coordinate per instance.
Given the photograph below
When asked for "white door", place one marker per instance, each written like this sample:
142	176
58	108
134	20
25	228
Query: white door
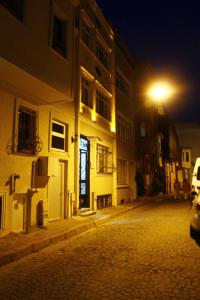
56	188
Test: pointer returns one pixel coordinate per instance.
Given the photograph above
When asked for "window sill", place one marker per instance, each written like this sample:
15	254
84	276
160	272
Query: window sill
123	186
104	174
58	150
24	154
64	58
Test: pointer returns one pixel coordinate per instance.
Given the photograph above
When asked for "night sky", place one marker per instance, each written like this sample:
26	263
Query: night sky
166	35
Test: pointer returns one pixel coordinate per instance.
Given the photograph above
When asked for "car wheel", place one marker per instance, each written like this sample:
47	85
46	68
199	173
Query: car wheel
193	233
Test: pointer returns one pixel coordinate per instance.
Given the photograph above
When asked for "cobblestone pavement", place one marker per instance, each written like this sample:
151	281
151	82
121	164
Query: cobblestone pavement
146	253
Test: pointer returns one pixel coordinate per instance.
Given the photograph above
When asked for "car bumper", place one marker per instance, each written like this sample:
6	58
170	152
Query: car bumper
195	221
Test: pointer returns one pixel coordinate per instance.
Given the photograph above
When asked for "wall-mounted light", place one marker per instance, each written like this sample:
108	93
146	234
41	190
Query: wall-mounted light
74	138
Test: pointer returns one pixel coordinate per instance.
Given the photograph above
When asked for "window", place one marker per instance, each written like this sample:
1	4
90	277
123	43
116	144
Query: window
2	206
59	35
97	23
143	129
186	156
97	71
121	172
27	131
124	129
121	84
198	173
104	159
102	55
15	7
58	136
86	35
85	96
102	105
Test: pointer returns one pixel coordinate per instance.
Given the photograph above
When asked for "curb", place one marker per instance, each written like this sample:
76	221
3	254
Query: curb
37	246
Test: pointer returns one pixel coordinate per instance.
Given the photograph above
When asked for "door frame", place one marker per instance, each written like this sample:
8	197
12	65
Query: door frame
63	204
84	201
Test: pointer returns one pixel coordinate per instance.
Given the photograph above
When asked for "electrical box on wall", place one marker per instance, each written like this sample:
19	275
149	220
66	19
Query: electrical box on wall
42	169
47	166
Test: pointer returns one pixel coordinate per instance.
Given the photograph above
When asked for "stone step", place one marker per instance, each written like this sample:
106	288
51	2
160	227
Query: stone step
86	213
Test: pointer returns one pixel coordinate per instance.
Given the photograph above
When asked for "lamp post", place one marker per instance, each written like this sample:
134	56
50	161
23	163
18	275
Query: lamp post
158	93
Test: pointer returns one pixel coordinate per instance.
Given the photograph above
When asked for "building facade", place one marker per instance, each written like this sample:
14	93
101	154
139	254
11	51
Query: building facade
125	106
95	142
37	112
71	114
188	134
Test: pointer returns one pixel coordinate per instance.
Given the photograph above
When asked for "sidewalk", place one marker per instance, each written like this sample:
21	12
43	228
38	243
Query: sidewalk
17	245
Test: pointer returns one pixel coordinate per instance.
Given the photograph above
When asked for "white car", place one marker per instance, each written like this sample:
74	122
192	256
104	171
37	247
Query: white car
196	175
195	217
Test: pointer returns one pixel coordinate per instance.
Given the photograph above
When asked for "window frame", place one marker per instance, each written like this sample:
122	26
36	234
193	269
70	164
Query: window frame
18	15
102	55
56	11
123	182
124	129
122	85
86	90
63	135
2	212
143	132
86	35
103	159
186	156
103	105
27	107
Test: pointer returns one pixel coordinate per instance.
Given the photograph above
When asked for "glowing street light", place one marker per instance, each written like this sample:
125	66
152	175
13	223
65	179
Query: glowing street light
160	91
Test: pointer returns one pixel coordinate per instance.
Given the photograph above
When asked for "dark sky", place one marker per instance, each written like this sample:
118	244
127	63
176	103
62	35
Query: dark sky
167	35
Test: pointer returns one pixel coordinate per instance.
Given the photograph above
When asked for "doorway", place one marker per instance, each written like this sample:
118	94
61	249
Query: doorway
2	200
56	193
84	201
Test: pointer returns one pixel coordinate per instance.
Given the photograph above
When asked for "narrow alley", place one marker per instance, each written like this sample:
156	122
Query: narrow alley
146	253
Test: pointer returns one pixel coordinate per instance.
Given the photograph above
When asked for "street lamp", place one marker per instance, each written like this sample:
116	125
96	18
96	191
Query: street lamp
159	91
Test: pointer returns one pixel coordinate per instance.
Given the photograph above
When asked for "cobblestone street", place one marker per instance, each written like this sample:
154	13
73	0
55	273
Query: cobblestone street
146	253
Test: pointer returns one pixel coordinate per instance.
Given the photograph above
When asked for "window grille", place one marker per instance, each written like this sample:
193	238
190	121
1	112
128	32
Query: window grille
27	139
104	201
104	159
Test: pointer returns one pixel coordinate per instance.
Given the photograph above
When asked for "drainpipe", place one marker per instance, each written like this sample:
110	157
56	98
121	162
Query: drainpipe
30	193
77	118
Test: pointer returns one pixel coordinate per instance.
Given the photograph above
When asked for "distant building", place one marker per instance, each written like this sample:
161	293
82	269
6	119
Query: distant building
125	121
157	147
188	135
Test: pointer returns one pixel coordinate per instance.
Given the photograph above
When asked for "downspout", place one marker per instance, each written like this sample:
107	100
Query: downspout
76	89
